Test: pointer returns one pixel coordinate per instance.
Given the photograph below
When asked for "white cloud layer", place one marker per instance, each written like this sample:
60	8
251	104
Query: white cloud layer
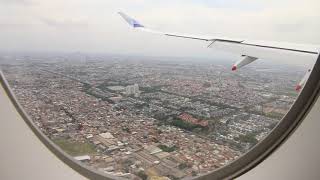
94	26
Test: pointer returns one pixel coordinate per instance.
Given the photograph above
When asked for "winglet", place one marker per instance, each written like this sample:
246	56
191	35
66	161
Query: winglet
132	22
303	81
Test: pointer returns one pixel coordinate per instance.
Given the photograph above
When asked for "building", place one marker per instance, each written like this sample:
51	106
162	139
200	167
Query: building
132	90
190	119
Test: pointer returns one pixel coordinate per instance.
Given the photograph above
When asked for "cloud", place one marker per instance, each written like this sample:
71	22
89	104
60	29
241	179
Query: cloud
94	25
17	2
65	23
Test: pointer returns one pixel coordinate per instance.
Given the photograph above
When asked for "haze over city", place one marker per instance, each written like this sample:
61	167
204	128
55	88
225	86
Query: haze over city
94	26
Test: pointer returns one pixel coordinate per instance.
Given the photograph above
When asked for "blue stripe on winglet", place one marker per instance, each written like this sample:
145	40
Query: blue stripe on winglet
137	25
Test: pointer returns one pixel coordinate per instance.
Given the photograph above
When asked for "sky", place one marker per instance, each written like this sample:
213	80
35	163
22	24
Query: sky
93	26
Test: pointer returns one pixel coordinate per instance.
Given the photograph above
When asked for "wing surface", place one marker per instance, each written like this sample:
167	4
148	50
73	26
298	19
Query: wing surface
248	50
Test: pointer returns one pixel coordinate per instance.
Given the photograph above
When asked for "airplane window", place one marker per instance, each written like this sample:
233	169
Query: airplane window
136	105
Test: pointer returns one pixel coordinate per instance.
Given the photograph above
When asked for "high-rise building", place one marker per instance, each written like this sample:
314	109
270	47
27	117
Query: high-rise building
133	90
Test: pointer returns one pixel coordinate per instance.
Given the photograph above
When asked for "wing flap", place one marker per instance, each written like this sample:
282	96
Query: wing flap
266	51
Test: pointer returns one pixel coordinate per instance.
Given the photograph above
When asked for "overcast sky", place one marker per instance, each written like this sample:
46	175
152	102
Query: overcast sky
94	25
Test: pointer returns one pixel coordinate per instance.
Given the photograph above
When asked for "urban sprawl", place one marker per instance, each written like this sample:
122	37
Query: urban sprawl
148	117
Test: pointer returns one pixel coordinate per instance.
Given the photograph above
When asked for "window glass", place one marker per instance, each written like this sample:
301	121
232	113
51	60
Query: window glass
140	106
145	116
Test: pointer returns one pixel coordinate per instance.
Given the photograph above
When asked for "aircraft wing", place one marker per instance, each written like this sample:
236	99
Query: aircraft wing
138	26
248	50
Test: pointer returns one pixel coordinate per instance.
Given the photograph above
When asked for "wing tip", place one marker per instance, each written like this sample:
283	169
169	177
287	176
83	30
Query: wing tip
298	88
132	22
234	68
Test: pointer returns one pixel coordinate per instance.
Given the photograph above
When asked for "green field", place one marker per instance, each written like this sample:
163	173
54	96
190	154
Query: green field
75	148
